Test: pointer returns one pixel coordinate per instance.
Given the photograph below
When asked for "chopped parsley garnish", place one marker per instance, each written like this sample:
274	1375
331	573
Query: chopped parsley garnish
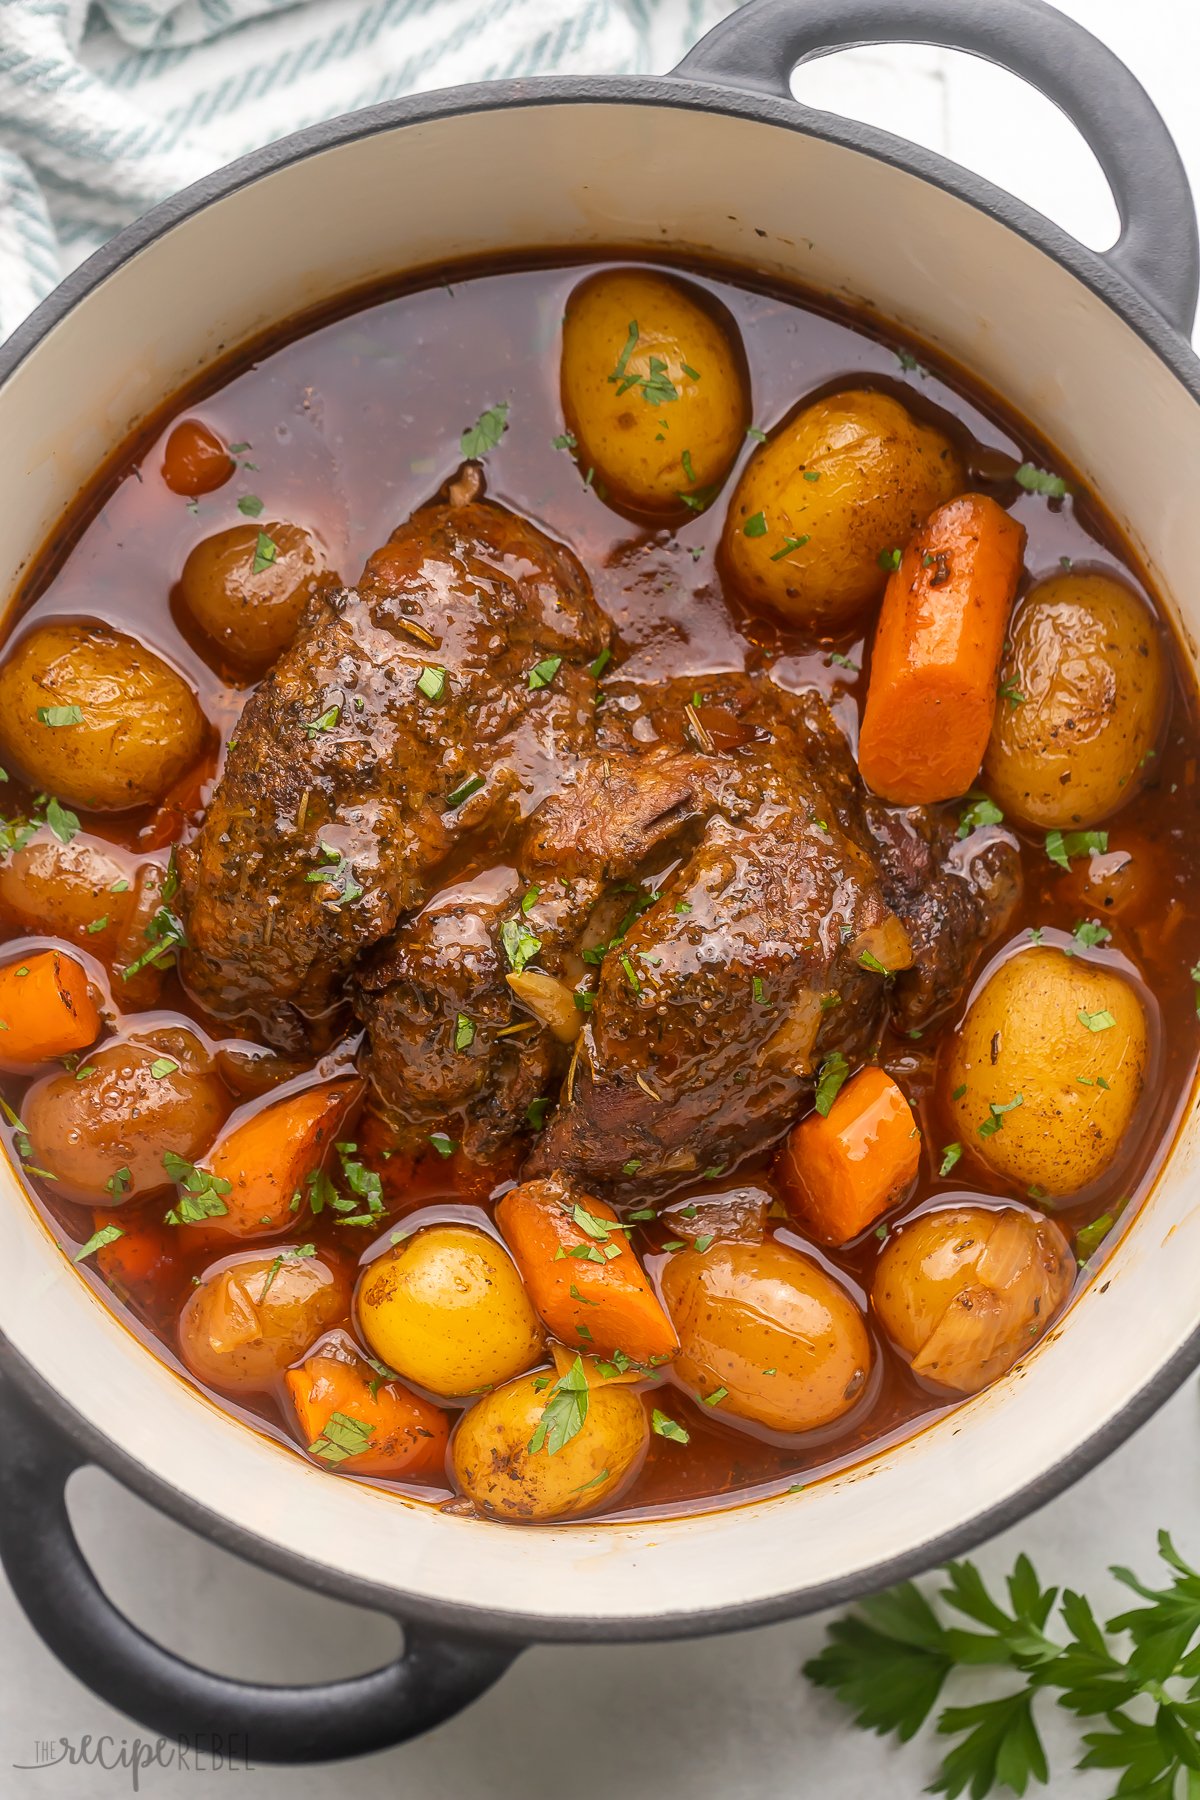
755	526
62	822
631	975
535	1112
566	440
665	1427
464	1032
251	505
543	673
789	544
992	1124
1041	481
530	898
704	1241
202	1195
1096	1021
443	1143
868	960
338	874
755	435
950	1155
597	668
327	720
265	552
521	944
107	1234
463	791
842	662
1061	846
890	559
296	1254
618	373
1090	933
759	992
342	1438
981	811
118	1183
58	716
165	933
565	1412
98	924
162	1066
1012	693
830	1081
632	1166
715	1398
432	682
486	432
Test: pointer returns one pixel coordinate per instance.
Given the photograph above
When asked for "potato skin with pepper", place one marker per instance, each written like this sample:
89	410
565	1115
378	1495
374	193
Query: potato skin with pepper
1083	690
964	1292
1026	1033
494	1466
254	1314
843	481
129	726
672	421
139	1098
447	1309
251	613
744	1309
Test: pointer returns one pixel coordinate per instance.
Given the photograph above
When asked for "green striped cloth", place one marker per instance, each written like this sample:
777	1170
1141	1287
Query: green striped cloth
106	109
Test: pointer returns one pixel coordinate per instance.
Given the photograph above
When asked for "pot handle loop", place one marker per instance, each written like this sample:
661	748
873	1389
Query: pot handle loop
434	1678
1158	251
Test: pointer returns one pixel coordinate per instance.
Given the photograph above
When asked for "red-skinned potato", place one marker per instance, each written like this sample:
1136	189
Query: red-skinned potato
965	1291
256	1313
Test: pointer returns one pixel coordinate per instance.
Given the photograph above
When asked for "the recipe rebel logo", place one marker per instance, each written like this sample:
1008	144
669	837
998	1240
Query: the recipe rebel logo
209	1753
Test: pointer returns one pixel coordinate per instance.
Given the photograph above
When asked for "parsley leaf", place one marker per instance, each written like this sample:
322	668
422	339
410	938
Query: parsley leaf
565	1412
265	552
1041	481
521	944
666	1427
981	810
58	716
830	1080
486	432
1061	846
107	1234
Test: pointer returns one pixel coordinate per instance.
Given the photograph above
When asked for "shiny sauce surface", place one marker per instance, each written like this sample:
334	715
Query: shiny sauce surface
351	422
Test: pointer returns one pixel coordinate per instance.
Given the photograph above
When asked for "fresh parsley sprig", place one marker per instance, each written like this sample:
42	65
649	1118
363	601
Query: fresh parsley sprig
890	1659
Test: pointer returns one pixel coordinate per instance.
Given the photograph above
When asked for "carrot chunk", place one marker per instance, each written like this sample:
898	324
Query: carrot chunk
268	1158
839	1173
583	1277
46	1009
352	1417
932	690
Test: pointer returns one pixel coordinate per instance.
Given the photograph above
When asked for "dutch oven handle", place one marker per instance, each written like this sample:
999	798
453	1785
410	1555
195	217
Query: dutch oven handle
434	1678
1158	251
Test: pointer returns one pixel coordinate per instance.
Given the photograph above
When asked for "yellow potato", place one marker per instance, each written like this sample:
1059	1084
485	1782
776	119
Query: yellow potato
770	1326
1049	1062
654	389
447	1309
250	608
139	1098
1082	699
496	1468
93	717
965	1291
254	1314
843	481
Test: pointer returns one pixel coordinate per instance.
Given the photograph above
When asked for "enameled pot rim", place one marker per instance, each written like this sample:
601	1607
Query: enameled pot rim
1115	293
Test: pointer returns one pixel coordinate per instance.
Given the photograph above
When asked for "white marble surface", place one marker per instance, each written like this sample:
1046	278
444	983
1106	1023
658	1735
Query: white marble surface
726	1717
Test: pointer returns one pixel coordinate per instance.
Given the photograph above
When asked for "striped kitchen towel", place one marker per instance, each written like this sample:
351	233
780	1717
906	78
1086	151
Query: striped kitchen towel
107	108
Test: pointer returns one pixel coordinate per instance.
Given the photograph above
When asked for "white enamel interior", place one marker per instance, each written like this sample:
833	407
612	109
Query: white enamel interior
579	175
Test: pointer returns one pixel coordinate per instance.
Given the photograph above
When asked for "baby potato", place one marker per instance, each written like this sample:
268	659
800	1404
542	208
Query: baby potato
965	1291
496	1467
447	1309
771	1327
654	388
844	480
1046	1070
255	1313
249	608
1081	705
69	889
103	1131
92	716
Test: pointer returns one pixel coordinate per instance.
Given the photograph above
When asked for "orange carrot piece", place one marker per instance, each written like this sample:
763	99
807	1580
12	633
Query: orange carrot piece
932	691
268	1157
142	1255
46	1008
355	1419
839	1173
584	1280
